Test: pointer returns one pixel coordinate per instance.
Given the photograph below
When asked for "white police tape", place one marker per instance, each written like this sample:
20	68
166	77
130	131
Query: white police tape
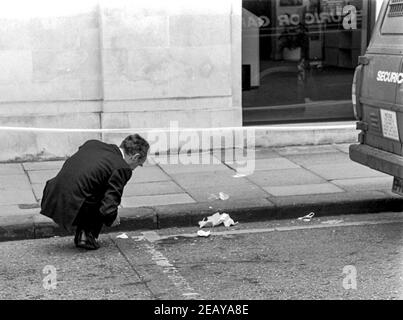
177	129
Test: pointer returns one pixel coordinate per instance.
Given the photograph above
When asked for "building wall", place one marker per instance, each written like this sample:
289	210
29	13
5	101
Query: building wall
100	64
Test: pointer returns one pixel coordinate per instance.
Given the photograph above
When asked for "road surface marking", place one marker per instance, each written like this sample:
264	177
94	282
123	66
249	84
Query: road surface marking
153	236
168	268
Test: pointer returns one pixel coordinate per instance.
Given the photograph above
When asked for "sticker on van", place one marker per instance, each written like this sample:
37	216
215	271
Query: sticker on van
391	77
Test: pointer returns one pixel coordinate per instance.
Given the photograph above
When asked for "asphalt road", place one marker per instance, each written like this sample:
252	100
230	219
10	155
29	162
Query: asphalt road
343	257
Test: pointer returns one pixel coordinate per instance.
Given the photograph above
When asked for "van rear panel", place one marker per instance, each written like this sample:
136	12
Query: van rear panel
379	90
382	82
381	112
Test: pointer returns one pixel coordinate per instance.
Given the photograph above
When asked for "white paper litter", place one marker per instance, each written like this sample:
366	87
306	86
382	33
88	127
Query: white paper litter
228	222
239	175
223	196
202	233
308	217
216	219
122	236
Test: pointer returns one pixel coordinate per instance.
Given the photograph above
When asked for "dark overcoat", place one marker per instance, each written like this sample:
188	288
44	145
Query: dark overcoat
96	173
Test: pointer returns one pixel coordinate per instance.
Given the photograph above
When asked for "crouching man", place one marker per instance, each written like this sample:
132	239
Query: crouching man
87	191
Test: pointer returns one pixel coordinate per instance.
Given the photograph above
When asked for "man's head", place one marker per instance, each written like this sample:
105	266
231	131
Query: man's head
135	148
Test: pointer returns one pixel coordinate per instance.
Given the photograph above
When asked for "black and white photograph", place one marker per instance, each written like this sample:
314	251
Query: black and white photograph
200	157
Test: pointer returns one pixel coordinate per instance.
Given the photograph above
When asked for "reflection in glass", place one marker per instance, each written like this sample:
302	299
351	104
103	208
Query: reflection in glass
298	59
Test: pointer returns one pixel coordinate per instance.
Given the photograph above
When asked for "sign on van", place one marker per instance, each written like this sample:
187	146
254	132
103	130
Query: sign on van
391	77
389	124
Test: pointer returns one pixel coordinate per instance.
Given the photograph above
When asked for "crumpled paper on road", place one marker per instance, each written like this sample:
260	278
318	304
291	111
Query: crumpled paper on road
216	219
308	217
202	233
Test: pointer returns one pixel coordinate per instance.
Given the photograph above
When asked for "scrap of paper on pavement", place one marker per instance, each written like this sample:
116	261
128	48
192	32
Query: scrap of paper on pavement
216	219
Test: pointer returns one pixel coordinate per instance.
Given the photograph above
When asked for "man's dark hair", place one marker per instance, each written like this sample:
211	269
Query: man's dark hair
135	144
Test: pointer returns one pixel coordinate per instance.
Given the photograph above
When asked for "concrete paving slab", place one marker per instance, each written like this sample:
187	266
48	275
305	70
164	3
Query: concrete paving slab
43	165
294	150
303	189
16	196
195	158
38	190
191	168
236	154
149	162
266	164
151	188
319	158
244	190
7	169
42	176
19	181
285	177
148	174
205	179
363	184
349	170
146	201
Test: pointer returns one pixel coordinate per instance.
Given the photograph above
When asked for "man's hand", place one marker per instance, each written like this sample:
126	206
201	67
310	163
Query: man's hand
116	222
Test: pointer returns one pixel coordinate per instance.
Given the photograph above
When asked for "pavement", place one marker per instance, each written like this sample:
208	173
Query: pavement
181	190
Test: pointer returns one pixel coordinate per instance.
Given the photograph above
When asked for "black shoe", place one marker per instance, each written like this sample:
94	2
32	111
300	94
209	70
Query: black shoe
89	243
92	241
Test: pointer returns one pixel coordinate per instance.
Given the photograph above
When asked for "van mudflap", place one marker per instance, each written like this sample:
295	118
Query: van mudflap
380	160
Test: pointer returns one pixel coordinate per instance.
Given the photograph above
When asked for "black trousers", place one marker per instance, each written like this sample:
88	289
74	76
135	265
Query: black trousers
89	218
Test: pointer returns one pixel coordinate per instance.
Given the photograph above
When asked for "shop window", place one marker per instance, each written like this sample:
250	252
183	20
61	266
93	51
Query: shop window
298	59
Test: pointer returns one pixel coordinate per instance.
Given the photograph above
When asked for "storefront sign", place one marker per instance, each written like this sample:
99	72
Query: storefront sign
348	17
